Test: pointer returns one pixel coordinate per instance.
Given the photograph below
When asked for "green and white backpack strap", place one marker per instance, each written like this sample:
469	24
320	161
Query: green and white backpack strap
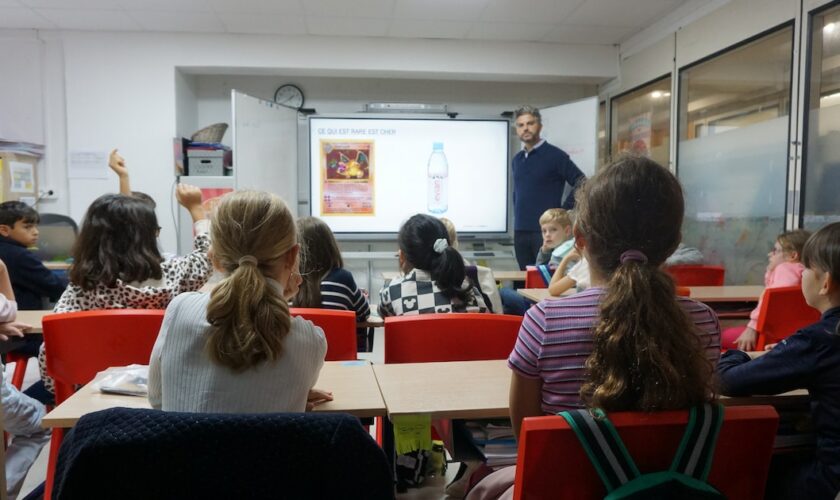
694	456
604	448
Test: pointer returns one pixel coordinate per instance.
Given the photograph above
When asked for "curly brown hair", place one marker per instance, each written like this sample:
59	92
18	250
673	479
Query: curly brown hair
647	354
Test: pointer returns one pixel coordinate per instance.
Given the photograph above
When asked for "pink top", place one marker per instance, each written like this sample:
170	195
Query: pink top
785	274
556	339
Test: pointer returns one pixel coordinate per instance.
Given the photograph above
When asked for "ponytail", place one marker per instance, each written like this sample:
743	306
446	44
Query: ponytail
448	272
641	359
647	353
252	233
248	320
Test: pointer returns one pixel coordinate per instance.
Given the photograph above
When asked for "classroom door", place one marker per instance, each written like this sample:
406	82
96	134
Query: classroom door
265	146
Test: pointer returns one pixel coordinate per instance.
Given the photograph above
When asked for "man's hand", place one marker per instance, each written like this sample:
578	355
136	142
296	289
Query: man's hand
317	397
13	329
117	164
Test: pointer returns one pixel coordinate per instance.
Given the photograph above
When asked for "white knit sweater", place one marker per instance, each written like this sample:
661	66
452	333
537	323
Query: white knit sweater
183	378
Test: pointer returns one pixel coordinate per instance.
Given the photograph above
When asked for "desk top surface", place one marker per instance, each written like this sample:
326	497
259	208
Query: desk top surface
498	275
352	383
33	318
707	294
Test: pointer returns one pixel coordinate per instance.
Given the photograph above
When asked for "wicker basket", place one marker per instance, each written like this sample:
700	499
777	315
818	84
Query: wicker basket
212	133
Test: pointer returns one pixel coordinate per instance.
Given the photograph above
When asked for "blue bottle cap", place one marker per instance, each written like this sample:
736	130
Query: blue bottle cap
437	146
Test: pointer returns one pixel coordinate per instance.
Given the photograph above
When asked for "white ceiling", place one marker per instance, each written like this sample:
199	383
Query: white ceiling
603	22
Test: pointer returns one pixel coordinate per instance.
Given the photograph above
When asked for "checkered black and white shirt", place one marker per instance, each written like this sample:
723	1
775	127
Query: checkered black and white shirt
416	293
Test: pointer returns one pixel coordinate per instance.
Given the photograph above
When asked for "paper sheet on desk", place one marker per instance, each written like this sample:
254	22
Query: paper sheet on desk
131	380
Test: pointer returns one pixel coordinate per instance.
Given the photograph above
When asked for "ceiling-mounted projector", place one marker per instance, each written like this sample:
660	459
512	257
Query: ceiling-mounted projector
404	107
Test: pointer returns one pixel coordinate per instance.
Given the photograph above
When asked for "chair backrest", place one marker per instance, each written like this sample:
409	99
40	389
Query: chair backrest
48	219
551	463
783	311
534	278
81	344
427	338
697	275
138	454
339	328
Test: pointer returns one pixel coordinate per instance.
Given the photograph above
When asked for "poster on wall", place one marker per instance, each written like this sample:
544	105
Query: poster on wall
347	177
640	134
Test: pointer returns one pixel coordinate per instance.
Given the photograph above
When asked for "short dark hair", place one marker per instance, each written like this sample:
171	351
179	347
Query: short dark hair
14	211
117	240
527	109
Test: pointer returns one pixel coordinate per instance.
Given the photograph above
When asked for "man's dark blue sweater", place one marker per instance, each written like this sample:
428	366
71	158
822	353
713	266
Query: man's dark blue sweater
539	179
30	279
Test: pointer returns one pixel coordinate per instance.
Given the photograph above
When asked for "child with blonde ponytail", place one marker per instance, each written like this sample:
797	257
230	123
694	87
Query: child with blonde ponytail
237	349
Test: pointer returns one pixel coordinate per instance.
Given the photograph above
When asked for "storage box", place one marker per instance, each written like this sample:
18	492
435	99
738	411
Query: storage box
205	162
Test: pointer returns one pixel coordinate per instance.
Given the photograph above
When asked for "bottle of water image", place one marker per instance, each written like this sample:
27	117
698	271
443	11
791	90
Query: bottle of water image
438	172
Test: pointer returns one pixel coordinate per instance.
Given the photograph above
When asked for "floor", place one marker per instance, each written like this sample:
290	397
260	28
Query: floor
431	490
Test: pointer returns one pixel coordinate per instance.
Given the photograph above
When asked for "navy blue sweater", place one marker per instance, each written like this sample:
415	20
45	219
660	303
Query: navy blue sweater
30	279
538	184
808	359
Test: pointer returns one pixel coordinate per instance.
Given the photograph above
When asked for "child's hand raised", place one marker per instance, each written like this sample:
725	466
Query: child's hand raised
190	198
117	164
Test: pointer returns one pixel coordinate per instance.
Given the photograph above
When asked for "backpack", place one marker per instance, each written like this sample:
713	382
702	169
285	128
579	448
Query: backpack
686	479
545	273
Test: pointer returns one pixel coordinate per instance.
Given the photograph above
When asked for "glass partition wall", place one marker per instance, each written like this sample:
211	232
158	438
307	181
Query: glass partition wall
732	154
641	121
821	173
602	135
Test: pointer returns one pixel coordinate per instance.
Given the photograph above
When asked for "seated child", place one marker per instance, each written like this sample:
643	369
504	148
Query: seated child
783	269
577	276
486	281
808	359
31	281
326	284
434	279
556	227
628	343
237	349
21	414
117	264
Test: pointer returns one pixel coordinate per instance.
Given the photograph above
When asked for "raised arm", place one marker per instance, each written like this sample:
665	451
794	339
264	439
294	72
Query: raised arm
117	164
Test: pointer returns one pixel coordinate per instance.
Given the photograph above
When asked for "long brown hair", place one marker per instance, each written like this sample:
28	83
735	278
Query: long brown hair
319	255
248	315
647	353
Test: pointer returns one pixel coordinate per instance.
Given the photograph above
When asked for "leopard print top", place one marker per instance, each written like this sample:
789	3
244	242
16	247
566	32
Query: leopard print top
179	274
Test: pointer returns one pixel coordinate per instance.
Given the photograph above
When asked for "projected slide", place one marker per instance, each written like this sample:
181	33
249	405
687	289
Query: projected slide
370	174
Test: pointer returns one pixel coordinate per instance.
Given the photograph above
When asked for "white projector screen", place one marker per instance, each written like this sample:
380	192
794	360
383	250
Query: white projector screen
368	175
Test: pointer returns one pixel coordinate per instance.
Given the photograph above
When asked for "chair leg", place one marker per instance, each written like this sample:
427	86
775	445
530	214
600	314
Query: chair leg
55	444
20	370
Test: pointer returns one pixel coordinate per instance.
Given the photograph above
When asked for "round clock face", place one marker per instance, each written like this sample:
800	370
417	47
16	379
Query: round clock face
290	96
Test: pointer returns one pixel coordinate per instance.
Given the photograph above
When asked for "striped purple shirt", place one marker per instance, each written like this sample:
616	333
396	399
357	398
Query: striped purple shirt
556	339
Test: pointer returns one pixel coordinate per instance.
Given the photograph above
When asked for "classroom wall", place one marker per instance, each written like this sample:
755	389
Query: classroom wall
119	89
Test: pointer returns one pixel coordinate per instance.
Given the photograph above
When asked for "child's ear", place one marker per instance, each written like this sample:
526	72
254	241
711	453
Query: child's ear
793	256
5	230
580	241
828	285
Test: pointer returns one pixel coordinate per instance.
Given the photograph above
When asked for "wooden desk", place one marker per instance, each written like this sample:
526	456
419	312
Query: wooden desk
465	389
352	383
58	265
705	294
498	275
482	390
33	318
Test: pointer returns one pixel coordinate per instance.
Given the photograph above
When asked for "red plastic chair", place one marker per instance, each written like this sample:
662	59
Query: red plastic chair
697	275
783	312
428	338
339	328
81	344
20	361
533	278
551	463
